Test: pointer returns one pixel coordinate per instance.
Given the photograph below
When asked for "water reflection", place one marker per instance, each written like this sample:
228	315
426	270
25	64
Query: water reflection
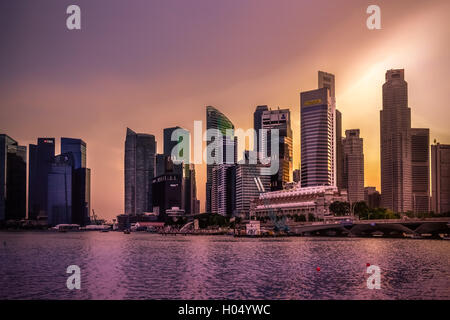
148	266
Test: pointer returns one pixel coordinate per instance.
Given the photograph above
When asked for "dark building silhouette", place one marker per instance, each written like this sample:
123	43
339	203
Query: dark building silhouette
60	177
13	180
77	148
166	190
257	125
372	197
81	179
420	169
140	153
440	177
40	158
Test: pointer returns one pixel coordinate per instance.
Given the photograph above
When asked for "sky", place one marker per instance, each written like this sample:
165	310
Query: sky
152	64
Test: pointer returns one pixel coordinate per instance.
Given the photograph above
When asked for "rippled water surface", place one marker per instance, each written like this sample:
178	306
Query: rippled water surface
149	266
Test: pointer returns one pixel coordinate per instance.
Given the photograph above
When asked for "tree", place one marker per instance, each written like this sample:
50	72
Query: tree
340	208
361	209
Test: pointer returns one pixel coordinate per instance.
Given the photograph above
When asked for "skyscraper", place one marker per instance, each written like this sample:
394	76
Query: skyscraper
327	80
81	179
245	185
170	146
257	125
372	197
40	157
59	202
13	179
420	169
279	119
223	193
395	142
353	175
77	148
140	153
218	121
440	177
317	122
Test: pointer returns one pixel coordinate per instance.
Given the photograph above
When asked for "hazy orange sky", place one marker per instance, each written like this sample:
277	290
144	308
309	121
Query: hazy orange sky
148	65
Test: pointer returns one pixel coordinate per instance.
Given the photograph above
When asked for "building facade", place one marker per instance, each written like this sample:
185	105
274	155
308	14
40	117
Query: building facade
59	181
395	143
216	120
298	201
278	119
166	193
440	177
223	200
77	148
246	186
317	121
420	169
13	179
372	197
40	158
353	175
140	153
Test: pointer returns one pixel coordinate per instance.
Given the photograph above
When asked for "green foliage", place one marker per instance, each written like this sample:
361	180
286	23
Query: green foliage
340	208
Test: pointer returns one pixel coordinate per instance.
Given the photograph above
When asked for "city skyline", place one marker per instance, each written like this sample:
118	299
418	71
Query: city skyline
275	85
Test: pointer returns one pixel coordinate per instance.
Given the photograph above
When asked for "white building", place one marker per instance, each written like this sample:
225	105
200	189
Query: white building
298	201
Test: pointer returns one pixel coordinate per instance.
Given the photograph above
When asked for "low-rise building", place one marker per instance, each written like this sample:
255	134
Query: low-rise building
297	201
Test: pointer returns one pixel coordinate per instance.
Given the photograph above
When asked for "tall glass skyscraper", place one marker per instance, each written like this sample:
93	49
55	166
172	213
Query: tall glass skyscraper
217	120
78	149
13	179
395	142
318	141
40	157
60	177
279	119
140	153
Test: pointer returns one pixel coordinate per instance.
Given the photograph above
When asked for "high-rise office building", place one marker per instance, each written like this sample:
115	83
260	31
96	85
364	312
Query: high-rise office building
440	177
216	120
77	148
40	157
140	153
317	122
279	119
166	193
189	189
59	203
372	197
327	80
420	169
395	142
223	189
246	188
81	179
257	126
339	152
353	175
13	179
182	154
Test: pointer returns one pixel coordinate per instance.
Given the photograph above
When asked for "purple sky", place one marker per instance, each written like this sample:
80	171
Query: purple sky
154	64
